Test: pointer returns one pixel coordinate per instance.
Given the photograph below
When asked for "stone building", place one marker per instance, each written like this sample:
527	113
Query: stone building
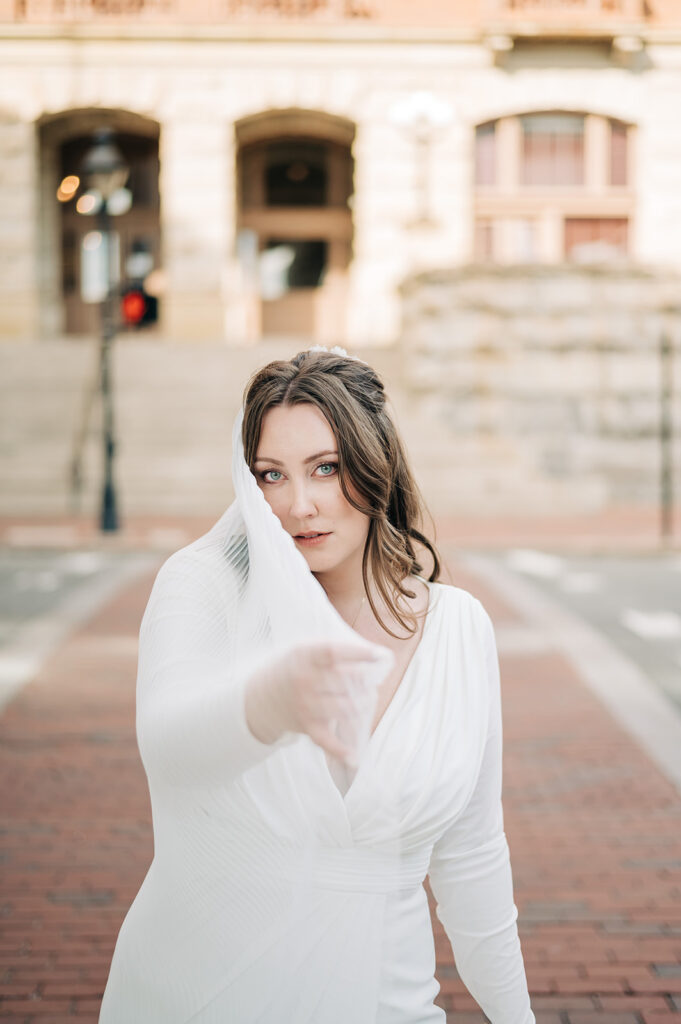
359	140
294	162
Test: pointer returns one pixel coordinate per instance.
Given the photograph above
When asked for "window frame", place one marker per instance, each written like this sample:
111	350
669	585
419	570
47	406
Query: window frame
549	206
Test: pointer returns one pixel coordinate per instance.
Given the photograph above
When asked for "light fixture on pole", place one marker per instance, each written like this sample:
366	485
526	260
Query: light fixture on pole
106	172
421	113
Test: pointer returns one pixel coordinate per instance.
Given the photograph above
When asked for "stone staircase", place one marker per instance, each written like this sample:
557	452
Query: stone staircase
174	407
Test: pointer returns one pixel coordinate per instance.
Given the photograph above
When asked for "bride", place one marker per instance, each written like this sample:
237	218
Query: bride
320	725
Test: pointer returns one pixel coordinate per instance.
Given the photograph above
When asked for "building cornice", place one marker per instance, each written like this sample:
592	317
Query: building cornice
342	34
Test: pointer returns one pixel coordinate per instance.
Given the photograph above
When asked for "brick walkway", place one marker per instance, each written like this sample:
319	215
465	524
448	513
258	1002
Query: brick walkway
594	831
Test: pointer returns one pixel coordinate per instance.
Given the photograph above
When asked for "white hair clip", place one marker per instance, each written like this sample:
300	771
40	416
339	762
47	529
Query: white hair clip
336	351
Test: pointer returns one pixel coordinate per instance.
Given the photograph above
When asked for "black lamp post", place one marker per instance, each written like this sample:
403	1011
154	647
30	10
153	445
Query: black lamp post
104	170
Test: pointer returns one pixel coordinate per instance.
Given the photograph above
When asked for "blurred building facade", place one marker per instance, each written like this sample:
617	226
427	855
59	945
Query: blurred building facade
295	164
292	161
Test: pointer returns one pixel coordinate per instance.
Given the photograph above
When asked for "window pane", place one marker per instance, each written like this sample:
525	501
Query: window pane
295	174
485	153
553	149
618	153
298	264
595	239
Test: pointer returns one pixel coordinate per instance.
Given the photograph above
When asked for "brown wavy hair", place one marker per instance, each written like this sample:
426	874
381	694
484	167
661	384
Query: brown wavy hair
371	456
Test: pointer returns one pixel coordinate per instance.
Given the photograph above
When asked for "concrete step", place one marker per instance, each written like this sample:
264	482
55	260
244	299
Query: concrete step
174	408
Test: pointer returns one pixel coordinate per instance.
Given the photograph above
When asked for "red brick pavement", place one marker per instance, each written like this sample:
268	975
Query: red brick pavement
594	831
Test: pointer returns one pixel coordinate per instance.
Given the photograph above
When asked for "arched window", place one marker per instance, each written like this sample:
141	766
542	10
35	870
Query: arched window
72	249
552	186
295	182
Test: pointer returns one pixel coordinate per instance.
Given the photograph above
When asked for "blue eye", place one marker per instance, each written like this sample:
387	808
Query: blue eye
327	468
269	473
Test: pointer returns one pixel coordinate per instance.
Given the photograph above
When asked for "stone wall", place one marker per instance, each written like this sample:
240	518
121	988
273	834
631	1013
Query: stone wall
554	374
500	413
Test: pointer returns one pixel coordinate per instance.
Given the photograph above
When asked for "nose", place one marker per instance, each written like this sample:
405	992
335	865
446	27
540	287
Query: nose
302	505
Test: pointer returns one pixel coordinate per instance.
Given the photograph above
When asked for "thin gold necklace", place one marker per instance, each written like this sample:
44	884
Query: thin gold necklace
352	624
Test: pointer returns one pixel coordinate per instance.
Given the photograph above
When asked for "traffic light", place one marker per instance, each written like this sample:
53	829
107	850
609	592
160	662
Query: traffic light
138	308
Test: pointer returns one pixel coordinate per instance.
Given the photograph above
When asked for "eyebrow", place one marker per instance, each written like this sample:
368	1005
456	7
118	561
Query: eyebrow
276	462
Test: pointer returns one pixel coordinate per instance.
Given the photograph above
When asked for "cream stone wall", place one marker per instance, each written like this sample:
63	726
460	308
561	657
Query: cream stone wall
197	222
18	223
197	90
561	366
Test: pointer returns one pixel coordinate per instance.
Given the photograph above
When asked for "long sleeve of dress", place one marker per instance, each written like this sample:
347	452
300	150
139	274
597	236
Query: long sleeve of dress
470	876
191	722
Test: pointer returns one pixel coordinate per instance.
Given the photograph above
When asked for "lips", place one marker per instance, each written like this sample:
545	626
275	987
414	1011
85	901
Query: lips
311	538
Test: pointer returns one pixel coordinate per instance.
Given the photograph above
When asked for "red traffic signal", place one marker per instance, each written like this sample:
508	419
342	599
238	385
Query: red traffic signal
133	306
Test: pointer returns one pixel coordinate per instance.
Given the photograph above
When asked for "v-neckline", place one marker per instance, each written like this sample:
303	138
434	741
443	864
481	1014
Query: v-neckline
409	664
380	726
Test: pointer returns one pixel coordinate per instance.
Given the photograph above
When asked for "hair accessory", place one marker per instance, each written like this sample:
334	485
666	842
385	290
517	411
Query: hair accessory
336	351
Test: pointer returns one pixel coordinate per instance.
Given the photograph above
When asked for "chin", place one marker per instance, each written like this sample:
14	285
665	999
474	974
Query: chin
318	561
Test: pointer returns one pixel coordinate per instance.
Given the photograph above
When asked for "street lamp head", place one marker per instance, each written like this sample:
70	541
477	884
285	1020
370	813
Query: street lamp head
103	166
421	109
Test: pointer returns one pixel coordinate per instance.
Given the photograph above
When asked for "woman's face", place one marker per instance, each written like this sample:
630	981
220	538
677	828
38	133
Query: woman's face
296	467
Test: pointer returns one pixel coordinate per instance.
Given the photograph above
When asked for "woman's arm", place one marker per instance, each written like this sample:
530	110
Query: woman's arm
213	702
191	722
470	876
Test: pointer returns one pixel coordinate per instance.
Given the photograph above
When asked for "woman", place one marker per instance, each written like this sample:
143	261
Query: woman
321	728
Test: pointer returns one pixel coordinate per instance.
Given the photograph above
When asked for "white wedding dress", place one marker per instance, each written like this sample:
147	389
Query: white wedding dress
217	933
278	894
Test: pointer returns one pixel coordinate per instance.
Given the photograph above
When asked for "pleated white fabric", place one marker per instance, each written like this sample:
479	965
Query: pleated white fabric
284	890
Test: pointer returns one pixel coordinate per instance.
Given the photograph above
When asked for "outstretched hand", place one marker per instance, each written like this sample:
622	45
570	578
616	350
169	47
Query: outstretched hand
308	690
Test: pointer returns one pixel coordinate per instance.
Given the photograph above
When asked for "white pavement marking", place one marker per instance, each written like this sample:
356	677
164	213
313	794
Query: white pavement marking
34	641
652	625
535	563
640	707
550	567
580	582
82	563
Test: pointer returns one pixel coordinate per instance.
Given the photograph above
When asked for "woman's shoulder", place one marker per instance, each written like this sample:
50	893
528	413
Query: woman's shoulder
459	604
464	626
454	595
